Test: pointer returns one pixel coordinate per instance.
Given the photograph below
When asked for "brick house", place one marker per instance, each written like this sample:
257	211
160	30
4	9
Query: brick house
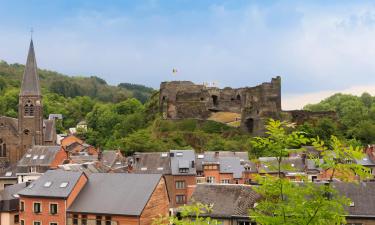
44	201
119	198
38	160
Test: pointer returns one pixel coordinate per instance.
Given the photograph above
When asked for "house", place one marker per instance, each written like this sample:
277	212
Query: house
9	204
78	151
38	160
361	210
120	198
183	173
46	199
230	202
221	167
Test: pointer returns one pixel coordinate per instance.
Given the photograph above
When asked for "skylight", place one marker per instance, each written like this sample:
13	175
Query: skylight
179	154
28	155
200	156
160	168
8	174
64	184
164	154
42	157
35	157
144	168
48	184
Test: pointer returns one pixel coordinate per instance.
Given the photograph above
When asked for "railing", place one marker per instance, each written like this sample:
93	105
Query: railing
92	222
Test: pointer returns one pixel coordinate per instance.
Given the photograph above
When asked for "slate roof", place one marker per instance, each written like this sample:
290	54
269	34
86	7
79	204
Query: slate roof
214	156
87	168
9	199
179	159
151	162
365	161
362	195
231	165
39	156
9	172
113	159
227	200
30	81
288	164
115	193
56	177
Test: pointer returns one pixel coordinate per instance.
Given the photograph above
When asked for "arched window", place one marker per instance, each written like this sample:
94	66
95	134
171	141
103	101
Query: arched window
29	108
239	97
3	148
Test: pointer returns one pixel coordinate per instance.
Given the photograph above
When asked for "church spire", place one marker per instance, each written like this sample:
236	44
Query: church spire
30	82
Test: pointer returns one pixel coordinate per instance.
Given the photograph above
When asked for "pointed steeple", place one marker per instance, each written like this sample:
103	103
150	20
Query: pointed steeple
30	82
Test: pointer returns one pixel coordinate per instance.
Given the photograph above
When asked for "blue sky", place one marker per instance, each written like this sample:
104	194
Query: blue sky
318	47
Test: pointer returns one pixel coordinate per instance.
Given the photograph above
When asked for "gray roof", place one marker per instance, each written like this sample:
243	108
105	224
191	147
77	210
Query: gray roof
180	159
113	159
56	177
214	156
151	162
365	161
9	172
9	199
39	156
227	200
30	81
288	164
231	165
87	168
362	195
115	193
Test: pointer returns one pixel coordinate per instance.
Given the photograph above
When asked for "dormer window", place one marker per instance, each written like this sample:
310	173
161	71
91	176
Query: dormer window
29	108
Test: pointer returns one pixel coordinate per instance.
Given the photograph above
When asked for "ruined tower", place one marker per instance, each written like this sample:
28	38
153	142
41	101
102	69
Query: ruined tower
30	109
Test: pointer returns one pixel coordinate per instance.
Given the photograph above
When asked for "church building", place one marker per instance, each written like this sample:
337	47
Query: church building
18	135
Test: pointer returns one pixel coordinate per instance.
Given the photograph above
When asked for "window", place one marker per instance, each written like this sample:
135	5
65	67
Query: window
180	184
22	222
84	220
16	218
37	207
75	219
180	199
3	148
37	223
98	220
29	109
108	220
64	184
225	181
53	208
48	184
184	170
210	180
52	223
22	206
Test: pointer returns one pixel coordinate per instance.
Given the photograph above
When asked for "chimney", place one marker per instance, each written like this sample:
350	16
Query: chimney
216	154
192	164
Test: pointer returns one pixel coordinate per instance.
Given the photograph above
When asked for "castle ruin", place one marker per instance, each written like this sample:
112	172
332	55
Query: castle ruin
254	105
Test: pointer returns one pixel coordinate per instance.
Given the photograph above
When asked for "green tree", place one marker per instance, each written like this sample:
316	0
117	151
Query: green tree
286	202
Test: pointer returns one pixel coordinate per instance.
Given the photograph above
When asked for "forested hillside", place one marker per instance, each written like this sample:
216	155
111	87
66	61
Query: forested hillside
356	117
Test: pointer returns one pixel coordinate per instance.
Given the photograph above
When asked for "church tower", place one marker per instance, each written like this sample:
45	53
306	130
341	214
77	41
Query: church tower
30	109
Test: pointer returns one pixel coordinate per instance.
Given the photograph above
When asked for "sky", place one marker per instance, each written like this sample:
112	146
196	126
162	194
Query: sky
317	47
